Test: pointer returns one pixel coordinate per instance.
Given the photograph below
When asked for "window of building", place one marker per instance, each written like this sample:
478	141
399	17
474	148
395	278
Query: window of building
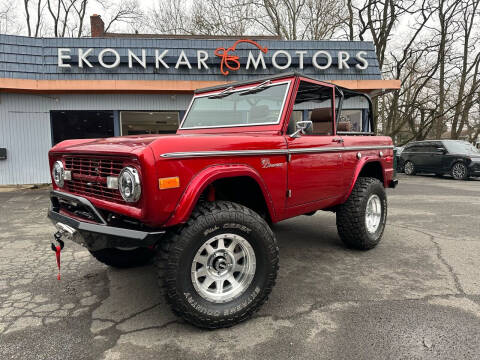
145	122
81	125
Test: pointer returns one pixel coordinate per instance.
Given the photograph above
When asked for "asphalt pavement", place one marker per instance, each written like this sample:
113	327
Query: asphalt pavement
415	296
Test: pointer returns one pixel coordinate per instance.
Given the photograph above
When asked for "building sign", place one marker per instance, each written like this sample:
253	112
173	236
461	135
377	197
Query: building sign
109	58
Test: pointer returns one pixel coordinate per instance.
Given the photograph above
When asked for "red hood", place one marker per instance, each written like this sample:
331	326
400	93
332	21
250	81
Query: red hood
127	145
114	145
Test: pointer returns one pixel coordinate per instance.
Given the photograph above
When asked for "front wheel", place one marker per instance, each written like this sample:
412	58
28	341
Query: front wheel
459	171
361	219
220	267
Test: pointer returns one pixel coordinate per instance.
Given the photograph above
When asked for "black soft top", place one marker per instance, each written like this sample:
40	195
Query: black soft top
266	78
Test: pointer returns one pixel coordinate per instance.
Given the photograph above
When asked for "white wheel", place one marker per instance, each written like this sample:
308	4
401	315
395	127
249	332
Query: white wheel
223	268
373	213
409	168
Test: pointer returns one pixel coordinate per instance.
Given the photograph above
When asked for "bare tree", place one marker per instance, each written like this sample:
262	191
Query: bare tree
80	10
27	16
219	17
300	19
288	19
469	82
127	12
170	17
28	4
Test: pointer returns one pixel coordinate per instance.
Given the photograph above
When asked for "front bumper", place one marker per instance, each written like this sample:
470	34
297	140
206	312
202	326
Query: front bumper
97	234
474	169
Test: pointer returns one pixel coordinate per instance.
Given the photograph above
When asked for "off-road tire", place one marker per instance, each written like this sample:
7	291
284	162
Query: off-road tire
124	258
406	168
177	251
351	224
459	175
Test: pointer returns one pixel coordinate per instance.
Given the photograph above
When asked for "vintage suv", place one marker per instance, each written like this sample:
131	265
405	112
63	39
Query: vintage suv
246	155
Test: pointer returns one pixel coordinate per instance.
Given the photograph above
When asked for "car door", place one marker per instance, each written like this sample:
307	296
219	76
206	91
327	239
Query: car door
315	158
427	156
437	154
421	156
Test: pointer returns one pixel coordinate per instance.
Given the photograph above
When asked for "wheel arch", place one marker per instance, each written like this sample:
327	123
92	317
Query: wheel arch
368	168
221	177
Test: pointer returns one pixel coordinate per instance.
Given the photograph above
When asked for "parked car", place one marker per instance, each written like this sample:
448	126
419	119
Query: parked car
458	158
246	155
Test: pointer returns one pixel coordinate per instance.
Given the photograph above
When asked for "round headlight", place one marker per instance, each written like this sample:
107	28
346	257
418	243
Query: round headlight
129	184
58	173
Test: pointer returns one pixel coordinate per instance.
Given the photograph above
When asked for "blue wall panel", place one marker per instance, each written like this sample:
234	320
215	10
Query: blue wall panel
36	58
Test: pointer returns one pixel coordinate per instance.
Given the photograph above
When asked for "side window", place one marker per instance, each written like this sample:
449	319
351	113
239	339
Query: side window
414	149
315	103
421	148
354	115
438	147
430	148
297	115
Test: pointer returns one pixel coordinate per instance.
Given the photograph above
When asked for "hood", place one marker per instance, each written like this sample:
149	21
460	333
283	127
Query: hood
216	142
160	144
116	145
474	156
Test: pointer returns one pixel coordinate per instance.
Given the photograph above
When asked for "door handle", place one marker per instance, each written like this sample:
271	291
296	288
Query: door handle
337	140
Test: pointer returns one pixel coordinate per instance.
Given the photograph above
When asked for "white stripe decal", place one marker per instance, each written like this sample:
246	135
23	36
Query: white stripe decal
195	154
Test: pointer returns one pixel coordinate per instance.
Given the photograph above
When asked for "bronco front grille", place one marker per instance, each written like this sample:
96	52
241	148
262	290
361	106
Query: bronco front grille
89	176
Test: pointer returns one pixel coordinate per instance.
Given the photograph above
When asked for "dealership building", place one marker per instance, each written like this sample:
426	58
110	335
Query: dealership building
52	89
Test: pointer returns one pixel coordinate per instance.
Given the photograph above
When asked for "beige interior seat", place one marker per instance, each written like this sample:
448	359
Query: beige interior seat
322	121
344	126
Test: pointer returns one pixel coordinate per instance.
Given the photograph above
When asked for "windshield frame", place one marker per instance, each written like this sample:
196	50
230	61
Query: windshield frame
239	89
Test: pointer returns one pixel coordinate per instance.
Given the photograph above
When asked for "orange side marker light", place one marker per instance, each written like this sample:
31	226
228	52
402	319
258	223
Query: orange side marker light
169	183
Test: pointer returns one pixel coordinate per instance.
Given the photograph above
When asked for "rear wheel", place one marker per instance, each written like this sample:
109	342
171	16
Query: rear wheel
361	219
220	268
409	168
124	257
459	171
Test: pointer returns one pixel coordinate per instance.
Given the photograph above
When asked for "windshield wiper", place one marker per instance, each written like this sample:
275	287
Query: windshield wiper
257	88
223	93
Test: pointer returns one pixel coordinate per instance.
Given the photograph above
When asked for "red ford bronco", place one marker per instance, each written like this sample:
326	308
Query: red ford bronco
200	201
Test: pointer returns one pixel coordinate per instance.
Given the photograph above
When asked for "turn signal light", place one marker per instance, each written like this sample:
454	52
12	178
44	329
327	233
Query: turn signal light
169	183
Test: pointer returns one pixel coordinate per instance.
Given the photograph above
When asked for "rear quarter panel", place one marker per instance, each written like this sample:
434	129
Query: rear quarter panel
360	144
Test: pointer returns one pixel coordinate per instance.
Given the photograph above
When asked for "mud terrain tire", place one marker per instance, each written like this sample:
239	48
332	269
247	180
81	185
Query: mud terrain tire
224	228
355	226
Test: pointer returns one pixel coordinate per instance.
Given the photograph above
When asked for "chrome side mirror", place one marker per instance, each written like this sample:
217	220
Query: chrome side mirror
302	126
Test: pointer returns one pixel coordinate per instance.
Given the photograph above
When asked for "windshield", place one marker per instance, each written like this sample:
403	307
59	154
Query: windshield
461	147
237	108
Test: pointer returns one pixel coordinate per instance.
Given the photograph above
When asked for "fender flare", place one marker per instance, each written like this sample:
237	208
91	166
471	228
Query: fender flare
358	169
201	180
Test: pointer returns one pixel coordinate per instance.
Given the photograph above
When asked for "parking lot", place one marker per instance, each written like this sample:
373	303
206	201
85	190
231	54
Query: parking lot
417	295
